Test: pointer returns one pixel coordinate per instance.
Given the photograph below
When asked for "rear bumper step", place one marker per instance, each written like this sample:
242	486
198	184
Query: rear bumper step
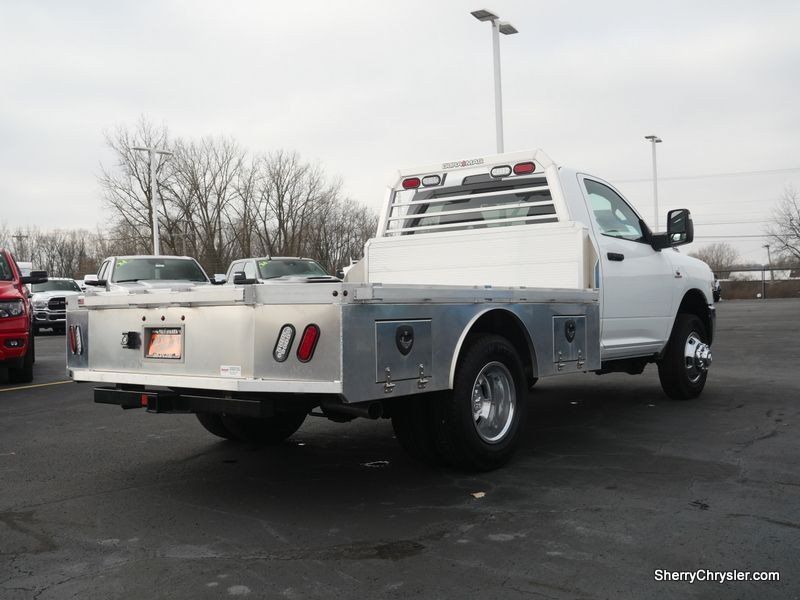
163	401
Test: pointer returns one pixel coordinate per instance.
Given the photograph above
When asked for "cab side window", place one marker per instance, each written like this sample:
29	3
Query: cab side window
250	269
612	214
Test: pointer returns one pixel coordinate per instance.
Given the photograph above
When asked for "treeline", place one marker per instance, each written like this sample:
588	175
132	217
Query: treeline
218	202
62	253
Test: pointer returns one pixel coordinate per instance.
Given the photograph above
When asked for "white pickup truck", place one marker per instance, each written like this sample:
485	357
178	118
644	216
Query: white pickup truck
485	275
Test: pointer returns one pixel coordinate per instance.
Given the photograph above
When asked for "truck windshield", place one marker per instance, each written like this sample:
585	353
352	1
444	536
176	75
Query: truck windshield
270	269
56	285
160	268
5	269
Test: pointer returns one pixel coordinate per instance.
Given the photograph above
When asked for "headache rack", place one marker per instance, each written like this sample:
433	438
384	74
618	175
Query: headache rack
498	191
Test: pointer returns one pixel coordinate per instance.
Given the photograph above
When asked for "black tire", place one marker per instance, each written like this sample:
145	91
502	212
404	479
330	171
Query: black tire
24	374
413	421
457	437
270	430
678	381
213	423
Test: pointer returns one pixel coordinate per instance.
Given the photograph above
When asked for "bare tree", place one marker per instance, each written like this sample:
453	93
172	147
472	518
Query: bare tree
340	234
126	189
292	196
220	203
721	257
200	194
784	229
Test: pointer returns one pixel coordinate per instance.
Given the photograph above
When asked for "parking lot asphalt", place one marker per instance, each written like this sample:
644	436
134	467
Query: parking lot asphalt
613	482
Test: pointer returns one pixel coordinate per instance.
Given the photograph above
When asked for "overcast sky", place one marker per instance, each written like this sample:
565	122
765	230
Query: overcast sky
365	88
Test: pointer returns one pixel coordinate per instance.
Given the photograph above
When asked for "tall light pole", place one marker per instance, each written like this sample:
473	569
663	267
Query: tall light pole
654	139
498	27
154	198
769	259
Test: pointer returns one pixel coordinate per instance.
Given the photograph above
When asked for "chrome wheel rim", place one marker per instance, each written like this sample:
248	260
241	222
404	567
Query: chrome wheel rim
494	398
697	357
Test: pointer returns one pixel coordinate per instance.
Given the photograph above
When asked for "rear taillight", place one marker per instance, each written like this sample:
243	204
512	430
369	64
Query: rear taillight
411	183
308	343
75	340
524	168
284	343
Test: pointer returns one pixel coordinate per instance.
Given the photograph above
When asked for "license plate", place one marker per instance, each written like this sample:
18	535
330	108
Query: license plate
164	342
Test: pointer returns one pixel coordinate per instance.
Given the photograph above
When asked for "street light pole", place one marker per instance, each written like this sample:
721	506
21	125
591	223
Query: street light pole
769	260
654	139
154	196
498	27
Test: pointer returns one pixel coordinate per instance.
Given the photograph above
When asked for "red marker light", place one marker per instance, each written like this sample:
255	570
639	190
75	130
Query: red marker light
524	168
144	400
411	183
308	343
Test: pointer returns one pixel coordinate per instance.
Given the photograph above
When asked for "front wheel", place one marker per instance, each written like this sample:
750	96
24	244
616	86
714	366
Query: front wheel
684	367
478	424
269	430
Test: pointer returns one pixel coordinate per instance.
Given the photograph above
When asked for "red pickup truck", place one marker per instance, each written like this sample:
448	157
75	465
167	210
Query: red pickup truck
17	352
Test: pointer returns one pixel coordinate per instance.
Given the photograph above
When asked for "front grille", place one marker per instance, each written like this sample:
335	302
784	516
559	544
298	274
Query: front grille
57	304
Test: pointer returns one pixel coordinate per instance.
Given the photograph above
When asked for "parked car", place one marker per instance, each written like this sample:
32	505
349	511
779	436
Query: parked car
49	301
144	271
276	269
17	352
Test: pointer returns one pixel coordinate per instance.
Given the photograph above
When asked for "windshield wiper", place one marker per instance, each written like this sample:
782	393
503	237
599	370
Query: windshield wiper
127	280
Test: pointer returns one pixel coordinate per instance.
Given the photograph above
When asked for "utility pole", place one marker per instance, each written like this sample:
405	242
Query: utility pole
498	27
654	139
769	261
154	196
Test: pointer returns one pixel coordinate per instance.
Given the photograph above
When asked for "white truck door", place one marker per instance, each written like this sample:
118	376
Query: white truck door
636	281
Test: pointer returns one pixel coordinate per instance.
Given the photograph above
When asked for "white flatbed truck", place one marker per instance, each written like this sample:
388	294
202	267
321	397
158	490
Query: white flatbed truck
485	275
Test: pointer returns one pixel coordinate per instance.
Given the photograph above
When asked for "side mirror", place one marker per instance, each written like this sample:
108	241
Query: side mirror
239	278
218	279
94	281
35	277
680	230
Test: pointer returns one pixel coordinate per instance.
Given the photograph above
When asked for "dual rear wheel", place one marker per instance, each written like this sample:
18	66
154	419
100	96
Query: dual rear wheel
268	431
475	426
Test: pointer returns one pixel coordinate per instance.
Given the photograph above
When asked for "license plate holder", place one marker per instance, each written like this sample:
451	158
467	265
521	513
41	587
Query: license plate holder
163	343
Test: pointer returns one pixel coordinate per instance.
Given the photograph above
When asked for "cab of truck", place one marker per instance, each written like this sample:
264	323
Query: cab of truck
276	269
17	352
142	272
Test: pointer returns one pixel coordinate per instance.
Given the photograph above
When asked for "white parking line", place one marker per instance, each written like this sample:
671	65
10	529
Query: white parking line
35	385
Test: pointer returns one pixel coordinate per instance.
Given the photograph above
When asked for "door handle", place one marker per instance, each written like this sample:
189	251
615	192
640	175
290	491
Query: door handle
616	256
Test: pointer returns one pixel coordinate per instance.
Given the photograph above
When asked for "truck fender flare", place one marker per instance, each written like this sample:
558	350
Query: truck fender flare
528	358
